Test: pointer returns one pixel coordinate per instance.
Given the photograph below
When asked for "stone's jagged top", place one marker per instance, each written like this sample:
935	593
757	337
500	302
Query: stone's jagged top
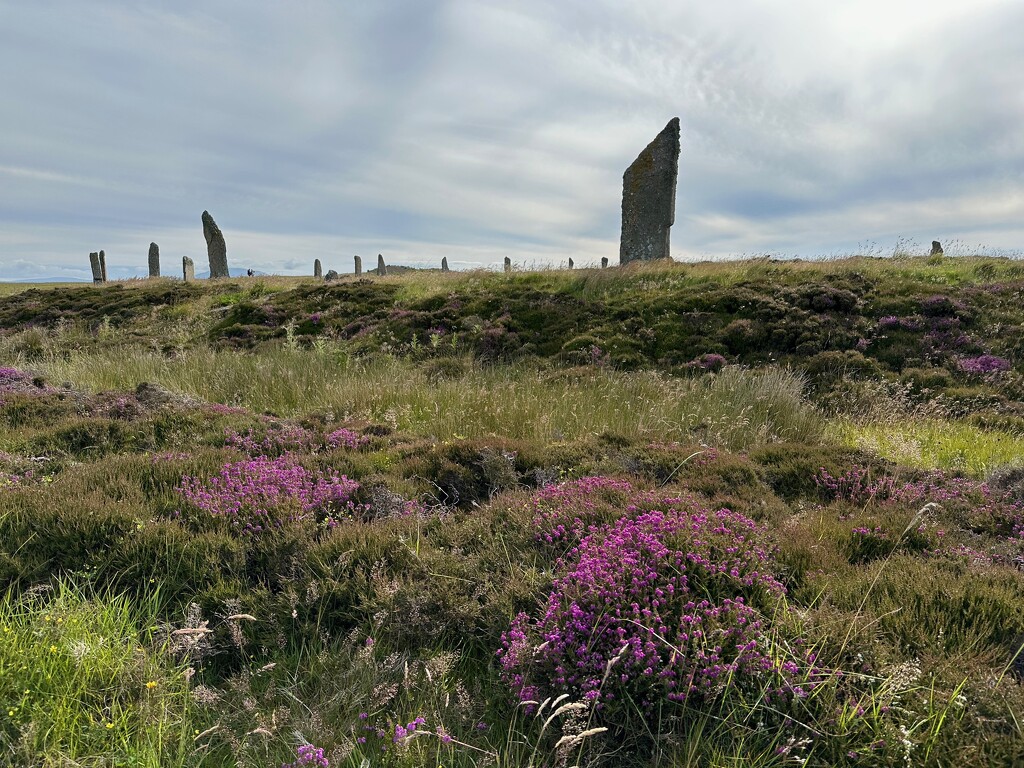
154	260
649	198
216	248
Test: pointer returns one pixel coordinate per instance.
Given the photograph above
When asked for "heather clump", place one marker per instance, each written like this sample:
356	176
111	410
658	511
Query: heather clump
665	606
261	494
283	438
565	512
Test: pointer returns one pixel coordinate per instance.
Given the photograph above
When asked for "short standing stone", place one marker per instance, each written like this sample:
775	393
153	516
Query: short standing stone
382	268
444	264
318	270
571	264
936	248
649	198
188	269
508	264
604	262
154	260
216	248
103	265
94	262
359	265
332	274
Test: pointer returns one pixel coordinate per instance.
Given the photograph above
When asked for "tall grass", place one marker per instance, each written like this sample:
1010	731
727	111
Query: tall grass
733	408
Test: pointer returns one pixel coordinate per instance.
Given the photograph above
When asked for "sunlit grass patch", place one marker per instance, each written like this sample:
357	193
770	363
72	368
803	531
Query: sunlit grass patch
79	680
932	443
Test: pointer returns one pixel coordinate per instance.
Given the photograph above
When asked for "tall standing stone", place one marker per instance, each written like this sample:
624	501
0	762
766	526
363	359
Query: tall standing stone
604	262
382	268
103	265
154	260
444	264
571	264
188	269
508	264
649	198
359	265
215	247
318	271
94	262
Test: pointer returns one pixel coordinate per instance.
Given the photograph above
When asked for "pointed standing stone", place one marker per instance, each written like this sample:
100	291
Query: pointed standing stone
444	264
188	269
604	262
318	271
649	198
94	262
216	248
382	268
508	264
571	265
154	260
359	265
103	265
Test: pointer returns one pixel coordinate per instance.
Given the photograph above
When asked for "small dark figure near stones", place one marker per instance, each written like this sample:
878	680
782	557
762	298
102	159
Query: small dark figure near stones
936	248
604	262
249	273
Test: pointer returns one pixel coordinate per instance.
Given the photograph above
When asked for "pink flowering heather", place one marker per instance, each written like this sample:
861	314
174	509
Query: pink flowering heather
657	607
308	755
983	364
262	494
564	513
346	438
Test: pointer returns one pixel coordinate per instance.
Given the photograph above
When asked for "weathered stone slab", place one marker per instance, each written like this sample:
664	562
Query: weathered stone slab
936	248
94	262
154	260
571	263
216	248
188	269
649	198
604	262
444	264
359	265
508	264
382	268
103	265
332	275
318	270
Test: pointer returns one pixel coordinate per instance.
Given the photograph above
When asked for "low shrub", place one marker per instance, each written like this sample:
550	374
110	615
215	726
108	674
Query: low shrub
663	607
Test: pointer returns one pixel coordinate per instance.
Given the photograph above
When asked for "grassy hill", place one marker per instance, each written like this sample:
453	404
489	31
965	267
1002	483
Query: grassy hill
761	513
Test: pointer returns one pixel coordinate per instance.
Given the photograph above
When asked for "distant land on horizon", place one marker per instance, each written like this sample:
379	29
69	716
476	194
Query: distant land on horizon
234	271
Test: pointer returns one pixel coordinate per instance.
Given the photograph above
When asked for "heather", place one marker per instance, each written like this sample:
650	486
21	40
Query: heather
762	513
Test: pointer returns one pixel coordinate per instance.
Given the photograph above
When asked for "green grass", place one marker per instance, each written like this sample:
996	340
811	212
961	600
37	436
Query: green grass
933	443
80	677
328	635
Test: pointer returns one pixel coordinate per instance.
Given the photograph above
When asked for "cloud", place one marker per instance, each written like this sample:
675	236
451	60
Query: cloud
488	128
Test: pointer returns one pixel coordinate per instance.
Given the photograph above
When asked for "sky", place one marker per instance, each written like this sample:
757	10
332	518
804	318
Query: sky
477	130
